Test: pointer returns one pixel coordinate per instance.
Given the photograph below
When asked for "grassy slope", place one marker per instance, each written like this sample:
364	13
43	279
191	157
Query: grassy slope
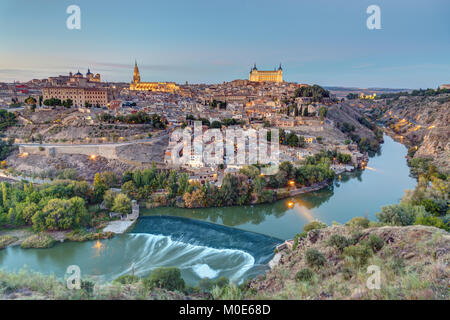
413	262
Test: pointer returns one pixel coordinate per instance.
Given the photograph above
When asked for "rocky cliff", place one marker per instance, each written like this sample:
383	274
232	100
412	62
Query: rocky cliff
424	122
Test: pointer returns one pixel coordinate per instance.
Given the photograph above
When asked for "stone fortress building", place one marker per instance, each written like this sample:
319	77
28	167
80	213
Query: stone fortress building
81	96
266	76
137	85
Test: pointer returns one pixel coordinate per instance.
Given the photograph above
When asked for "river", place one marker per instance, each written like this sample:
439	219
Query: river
360	193
200	241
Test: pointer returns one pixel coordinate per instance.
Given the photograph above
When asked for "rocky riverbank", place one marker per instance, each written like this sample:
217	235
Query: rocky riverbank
423	124
332	263
26	238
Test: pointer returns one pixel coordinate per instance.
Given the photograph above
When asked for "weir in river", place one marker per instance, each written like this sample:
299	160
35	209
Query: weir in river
199	249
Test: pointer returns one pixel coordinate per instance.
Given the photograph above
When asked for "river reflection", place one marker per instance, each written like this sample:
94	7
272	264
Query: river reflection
253	214
360	193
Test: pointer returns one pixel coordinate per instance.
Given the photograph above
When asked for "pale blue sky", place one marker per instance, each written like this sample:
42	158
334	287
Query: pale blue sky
324	42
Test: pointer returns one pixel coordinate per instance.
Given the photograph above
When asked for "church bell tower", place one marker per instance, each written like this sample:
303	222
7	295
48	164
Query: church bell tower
136	75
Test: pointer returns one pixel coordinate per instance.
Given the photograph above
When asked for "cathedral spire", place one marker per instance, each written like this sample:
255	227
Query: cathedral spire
136	75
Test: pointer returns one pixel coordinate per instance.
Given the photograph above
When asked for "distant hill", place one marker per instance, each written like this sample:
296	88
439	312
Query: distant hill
341	92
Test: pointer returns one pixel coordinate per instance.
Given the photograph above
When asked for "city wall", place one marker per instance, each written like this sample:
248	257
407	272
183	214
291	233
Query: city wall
106	151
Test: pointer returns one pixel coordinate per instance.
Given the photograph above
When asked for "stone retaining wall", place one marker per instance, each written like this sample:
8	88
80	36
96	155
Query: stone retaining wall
106	151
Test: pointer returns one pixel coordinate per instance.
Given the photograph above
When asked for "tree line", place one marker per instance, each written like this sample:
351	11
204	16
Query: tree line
140	117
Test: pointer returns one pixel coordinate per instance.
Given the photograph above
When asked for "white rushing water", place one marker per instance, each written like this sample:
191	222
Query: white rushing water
194	261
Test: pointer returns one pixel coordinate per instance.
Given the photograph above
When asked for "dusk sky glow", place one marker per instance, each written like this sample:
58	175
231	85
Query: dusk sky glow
323	42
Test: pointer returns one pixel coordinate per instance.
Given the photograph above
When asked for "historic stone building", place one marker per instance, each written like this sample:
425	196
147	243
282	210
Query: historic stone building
137	85
76	79
266	76
79	95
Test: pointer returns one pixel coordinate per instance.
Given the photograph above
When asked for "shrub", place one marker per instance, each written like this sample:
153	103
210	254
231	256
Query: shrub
359	222
314	225
347	273
127	279
7	240
229	292
375	242
68	174
429	220
431	207
339	242
222	282
399	214
38	241
87	286
304	275
166	278
81	235
356	236
61	214
314	258
121	204
360	253
207	284
108	198
397	265
298	236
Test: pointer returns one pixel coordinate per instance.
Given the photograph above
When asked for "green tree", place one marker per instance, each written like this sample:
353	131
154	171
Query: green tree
30	100
216	124
250	171
400	214
305	111
138	179
287	167
168	278
292	140
323	112
229	190
4	195
121	204
28	212
67	103
108	198
11	216
259	184
127	176
172	184
61	214
183	183
99	187
129	188
111	179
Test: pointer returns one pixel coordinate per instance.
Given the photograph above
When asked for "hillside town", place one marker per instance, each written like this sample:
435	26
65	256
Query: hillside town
128	125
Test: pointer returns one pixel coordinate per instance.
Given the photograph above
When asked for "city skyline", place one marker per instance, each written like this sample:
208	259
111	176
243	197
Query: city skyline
204	42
